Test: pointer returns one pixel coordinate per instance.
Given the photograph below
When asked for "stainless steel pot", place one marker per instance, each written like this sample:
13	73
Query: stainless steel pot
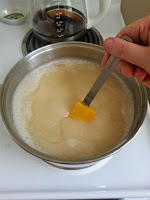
45	55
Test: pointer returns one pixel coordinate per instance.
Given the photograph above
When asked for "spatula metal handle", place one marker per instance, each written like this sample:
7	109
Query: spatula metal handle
106	71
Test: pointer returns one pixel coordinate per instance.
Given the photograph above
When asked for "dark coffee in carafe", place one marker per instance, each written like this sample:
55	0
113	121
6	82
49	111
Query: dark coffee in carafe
63	24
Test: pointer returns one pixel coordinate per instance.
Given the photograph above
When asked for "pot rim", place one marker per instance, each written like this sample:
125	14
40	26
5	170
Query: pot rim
43	156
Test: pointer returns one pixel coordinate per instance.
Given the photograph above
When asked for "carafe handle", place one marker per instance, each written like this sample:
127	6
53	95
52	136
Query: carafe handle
104	6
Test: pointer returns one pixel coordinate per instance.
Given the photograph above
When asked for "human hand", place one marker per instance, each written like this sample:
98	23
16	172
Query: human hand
135	57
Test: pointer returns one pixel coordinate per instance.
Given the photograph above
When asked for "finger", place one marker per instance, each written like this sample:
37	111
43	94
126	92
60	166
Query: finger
146	81
138	31
125	68
130	52
140	74
105	58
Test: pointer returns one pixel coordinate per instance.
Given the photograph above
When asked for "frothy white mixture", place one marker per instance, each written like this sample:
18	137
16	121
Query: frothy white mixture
43	99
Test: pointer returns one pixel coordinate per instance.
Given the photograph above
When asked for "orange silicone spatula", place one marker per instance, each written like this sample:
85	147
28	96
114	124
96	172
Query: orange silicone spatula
81	110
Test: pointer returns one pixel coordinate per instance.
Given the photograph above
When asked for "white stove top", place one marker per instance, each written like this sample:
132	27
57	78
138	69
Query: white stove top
23	176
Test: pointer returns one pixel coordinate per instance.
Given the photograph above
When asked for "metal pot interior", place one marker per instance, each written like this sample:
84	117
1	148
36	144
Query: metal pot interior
44	56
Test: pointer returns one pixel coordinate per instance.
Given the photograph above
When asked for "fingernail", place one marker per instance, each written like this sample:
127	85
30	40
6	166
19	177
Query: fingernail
108	45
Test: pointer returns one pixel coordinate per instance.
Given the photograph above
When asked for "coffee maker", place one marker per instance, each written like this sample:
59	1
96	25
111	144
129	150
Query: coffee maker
63	20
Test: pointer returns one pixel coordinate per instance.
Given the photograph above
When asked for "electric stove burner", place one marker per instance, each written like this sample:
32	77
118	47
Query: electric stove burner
31	42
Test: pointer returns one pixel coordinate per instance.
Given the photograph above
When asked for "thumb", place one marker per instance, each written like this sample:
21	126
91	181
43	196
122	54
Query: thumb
130	52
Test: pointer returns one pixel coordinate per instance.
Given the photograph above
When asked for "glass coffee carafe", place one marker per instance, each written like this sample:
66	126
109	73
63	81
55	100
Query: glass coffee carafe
63	20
